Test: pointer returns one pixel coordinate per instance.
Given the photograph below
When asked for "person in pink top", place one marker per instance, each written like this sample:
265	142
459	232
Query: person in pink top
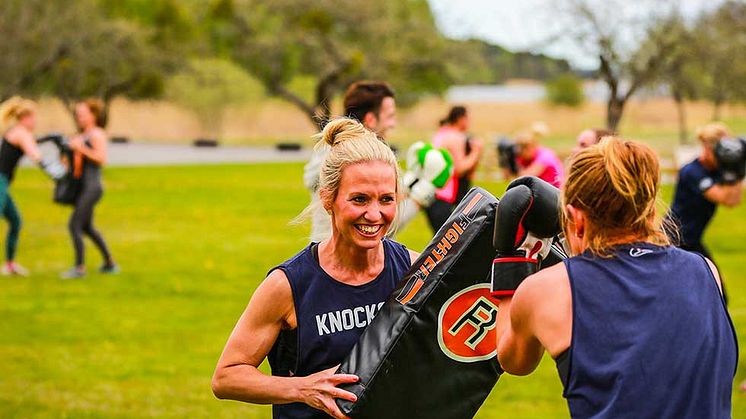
536	160
466	152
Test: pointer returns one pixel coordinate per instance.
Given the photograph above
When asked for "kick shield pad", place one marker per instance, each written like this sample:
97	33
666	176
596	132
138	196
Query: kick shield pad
430	352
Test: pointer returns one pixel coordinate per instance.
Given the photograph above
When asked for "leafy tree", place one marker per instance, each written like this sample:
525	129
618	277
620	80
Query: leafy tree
630	59
565	89
208	87
36	36
115	58
333	43
683	76
82	48
719	40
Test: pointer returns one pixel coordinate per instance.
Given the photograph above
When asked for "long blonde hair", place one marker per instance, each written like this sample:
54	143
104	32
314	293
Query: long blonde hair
615	183
14	109
349	142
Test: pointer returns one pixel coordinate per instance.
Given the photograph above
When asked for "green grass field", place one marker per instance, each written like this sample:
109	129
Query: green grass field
193	243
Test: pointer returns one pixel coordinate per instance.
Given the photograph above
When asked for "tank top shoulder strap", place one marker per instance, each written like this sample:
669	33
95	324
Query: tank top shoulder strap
296	269
397	254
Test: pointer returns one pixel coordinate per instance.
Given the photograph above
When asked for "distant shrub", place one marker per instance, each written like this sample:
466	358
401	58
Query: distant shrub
566	90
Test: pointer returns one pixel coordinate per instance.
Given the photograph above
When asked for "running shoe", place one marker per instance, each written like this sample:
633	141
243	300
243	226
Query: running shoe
12	268
109	268
73	273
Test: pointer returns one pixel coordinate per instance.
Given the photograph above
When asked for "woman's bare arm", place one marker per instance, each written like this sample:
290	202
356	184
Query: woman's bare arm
25	140
462	162
537	318
237	376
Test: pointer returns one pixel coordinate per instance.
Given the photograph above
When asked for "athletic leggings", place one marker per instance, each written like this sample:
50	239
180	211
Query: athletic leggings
11	214
81	222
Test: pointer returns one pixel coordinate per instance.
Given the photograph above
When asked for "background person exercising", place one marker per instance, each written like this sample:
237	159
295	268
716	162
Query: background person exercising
465	152
638	328
18	117
91	146
370	102
700	189
310	311
533	159
591	136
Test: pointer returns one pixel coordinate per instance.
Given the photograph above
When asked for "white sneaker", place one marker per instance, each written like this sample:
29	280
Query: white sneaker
12	268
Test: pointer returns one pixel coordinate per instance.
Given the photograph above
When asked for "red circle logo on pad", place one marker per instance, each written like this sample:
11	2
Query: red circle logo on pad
466	325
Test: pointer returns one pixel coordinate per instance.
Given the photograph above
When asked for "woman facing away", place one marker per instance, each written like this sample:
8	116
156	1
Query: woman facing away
638	328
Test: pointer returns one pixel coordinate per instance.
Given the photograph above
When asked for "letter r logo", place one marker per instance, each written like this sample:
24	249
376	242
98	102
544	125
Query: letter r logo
466	325
482	316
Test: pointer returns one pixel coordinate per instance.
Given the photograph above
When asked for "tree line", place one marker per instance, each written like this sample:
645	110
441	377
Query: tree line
699	58
135	48
132	48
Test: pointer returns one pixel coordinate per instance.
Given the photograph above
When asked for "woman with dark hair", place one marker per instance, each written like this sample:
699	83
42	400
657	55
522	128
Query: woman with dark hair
466	152
89	153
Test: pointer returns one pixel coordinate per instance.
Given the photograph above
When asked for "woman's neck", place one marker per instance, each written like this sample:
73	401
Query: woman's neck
342	257
622	240
708	163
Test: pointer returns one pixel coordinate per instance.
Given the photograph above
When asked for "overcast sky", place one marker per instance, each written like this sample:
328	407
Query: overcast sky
522	25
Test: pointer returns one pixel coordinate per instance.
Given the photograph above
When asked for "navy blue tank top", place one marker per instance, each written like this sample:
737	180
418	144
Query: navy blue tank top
651	336
331	316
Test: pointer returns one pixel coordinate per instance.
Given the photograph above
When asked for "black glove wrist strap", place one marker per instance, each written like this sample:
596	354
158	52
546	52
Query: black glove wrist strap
509	272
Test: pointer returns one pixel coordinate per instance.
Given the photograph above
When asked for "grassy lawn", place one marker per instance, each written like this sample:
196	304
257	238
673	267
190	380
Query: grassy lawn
193	243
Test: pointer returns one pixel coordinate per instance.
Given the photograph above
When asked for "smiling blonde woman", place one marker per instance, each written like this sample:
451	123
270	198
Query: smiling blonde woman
310	310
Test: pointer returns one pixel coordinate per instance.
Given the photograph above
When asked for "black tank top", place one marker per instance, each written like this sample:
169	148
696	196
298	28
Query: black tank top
9	156
91	170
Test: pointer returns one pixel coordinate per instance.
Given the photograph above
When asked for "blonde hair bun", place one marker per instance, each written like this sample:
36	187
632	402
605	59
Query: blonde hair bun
343	129
348	142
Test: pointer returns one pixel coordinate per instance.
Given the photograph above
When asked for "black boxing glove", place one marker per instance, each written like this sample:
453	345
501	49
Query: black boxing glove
506	155
527	219
730	154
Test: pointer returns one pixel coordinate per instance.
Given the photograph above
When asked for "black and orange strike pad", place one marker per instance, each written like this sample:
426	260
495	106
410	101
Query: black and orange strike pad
430	352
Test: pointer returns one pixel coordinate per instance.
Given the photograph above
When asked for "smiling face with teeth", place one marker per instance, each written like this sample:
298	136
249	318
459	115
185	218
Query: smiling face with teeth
365	204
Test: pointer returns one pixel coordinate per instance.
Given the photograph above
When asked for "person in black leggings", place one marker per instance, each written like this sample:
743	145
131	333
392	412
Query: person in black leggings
18	120
90	147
